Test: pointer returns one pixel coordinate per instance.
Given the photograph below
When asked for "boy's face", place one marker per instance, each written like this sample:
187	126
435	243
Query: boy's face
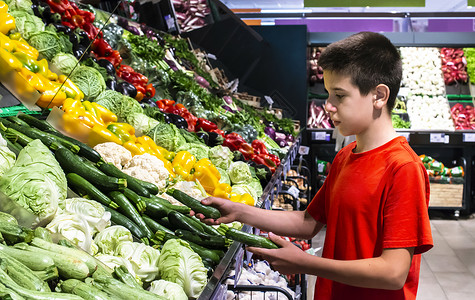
350	111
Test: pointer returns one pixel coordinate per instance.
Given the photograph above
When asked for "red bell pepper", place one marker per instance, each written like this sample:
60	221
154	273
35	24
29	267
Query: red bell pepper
101	48
219	131
149	91
57	6
205	124
246	150
259	147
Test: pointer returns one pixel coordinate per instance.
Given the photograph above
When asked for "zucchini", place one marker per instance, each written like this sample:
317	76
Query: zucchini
47	274
179	221
121	290
179	208
71	163
123	275
84	149
136	199
37	123
17	121
164	221
43	233
247	238
129	211
206	228
76	253
29	294
7	218
119	219
195	205
12	134
209	241
155	226
68	266
155	210
22	275
38	262
82	186
84	290
15	233
142	188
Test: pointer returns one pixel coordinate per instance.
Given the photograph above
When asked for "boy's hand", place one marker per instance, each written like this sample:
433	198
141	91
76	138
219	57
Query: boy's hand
227	208
284	260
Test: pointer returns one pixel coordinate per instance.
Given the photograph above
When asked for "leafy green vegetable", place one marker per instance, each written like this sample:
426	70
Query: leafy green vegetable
167	136
167	289
179	264
7	157
27	23
243	189
221	156
255	185
36	181
239	172
46	42
470	57
108	239
119	104
19	5
145	48
65	62
66	45
89	81
190	137
141	122
90	63
399	123
198	150
224	176
144	259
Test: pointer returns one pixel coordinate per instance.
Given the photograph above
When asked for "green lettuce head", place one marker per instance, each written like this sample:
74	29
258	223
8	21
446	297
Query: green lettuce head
108	239
239	172
89	81
7	157
221	156
167	136
47	43
181	265
123	106
197	149
65	62
168	289
36	181
141	122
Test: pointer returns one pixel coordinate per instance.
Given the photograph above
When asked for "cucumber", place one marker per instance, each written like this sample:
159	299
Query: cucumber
209	241
195	205
84	150
71	163
29	294
123	274
121	290
38	262
17	121
119	219
247	238
37	123
43	233
82	186
136	199
15	233
155	226
22	275
129	211
180	208
84	290
164	221
142	188
68	266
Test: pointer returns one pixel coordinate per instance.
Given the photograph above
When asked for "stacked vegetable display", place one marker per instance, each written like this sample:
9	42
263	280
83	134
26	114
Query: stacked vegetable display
454	65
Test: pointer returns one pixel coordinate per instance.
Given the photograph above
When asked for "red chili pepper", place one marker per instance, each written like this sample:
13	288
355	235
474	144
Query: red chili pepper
101	47
91	31
259	147
246	150
77	20
160	104
205	124
65	23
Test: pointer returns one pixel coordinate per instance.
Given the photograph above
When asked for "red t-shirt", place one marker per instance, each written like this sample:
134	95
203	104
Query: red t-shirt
371	201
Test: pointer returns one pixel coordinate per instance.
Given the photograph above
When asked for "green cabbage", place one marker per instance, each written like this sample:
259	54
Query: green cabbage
198	150
36	181
74	228
224	176
221	156
90	211
168	289
89	81
141	122
121	105
243	189
179	264
27	23
239	172
256	186
46	42
108	239
65	62
7	157
167	136
144	259
19	5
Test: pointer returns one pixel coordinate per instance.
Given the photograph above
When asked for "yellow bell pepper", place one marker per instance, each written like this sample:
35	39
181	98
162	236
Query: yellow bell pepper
12	61
23	46
3	7
89	108
223	190
7	22
106	115
45	71
50	98
90	120
119	132
100	134
74	126
6	43
67	82
133	148
126	127
73	107
207	174
244	198
157	149
183	164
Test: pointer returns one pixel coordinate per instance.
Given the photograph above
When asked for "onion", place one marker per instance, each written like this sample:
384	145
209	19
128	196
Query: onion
201	81
228	100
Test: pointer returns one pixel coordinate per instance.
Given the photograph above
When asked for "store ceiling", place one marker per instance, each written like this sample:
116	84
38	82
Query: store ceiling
431	6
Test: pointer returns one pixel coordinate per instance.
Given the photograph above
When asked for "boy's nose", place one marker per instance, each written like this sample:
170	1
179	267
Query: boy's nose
329	107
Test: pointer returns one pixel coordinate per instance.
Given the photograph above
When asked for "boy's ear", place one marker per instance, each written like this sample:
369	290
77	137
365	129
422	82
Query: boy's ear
381	95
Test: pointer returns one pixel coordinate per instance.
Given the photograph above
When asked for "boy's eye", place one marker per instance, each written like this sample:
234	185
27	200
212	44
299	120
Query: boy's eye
339	96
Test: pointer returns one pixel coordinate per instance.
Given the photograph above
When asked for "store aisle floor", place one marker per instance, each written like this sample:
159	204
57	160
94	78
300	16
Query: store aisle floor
448	269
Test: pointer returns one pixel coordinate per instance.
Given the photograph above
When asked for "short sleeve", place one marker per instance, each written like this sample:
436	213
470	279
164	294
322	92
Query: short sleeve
316	208
405	215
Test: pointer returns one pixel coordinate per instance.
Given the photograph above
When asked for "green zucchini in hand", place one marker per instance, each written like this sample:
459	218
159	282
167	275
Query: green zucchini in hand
72	163
195	205
84	187
142	188
205	240
247	238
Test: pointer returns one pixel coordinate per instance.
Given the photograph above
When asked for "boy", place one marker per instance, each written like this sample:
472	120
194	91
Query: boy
374	201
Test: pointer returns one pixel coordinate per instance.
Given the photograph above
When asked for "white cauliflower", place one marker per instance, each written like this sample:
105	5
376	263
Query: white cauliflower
190	188
114	153
148	168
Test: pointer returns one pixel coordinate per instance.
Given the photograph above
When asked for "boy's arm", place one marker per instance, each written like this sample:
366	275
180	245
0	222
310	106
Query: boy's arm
297	224
388	271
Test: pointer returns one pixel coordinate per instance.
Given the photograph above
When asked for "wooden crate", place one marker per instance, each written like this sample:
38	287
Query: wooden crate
446	195
250	100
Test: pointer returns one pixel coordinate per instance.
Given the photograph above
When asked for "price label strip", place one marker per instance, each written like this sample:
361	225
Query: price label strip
319	136
440	138
468	137
303	150
295	192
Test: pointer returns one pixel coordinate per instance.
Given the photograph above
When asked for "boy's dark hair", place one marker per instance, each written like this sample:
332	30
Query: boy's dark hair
369	58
